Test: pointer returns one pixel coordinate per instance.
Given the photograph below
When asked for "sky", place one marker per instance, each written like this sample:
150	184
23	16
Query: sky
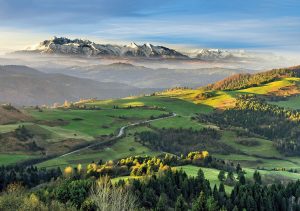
229	24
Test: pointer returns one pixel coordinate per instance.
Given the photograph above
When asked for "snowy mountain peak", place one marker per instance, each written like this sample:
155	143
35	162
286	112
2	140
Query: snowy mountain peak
148	45
66	46
133	45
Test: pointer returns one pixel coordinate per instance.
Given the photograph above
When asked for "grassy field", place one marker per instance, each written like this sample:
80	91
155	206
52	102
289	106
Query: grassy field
178	106
7	159
226	99
210	174
255	162
190	170
96	122
124	147
275	174
11	127
85	125
291	103
260	147
178	122
270	87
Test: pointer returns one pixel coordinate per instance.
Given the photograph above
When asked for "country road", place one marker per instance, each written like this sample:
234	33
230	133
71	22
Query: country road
120	134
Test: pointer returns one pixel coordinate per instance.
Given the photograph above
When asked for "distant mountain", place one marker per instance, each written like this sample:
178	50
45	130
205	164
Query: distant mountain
80	47
22	85
214	54
145	77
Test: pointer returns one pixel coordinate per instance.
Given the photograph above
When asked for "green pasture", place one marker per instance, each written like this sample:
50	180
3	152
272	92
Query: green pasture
7	159
95	122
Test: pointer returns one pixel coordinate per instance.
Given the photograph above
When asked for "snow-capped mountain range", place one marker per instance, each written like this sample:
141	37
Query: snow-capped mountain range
67	46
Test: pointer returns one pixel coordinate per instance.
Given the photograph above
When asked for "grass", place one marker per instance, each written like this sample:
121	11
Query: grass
209	173
178	122
124	147
125	178
264	148
291	103
255	162
183	102
226	99
95	122
263	155
7	159
58	134
179	106
10	127
270	87
264	173
190	170
212	174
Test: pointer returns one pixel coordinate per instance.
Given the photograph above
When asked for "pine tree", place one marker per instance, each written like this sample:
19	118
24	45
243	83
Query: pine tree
180	204
257	177
221	175
238	168
242	179
200	203
162	203
215	193
222	187
212	204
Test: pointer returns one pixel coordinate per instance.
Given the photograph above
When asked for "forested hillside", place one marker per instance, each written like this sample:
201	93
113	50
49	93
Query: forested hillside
241	81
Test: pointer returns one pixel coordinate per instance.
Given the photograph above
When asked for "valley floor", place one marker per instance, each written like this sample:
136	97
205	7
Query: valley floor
60	131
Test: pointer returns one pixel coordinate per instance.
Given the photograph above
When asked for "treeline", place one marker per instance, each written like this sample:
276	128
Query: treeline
168	190
161	188
175	190
181	141
251	102
135	166
26	176
241	81
269	121
143	166
73	186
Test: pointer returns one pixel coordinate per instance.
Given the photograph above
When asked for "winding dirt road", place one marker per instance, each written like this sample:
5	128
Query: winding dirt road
120	134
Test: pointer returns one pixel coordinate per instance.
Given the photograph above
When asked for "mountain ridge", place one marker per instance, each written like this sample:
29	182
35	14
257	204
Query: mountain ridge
66	46
80	47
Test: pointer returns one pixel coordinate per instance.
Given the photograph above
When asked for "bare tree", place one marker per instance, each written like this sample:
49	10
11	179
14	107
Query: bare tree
109	197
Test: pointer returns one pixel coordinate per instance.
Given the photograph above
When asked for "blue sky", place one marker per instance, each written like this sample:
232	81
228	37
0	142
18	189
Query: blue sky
237	24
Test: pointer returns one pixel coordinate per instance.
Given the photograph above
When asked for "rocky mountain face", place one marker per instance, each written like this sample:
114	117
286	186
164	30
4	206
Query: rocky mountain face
67	46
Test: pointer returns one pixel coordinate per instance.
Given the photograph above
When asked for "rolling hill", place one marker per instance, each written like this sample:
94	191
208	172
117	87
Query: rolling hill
22	85
207	113
242	126
9	115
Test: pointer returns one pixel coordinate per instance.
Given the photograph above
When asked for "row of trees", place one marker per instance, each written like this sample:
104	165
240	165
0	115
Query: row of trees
175	190
181	141
141	166
27	177
168	190
160	189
